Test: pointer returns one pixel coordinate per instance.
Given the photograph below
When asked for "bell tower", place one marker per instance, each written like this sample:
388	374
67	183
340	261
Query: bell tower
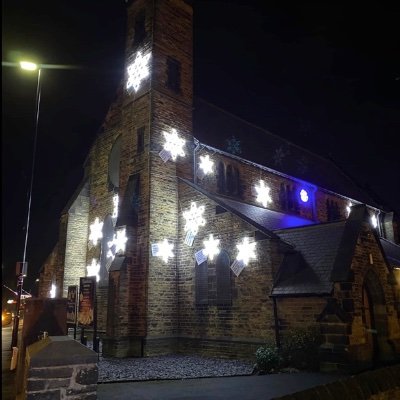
156	149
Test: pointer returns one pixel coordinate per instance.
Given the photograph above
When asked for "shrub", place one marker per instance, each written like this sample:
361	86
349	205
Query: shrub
300	348
267	357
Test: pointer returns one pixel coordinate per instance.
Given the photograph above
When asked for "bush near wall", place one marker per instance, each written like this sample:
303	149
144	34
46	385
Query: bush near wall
299	350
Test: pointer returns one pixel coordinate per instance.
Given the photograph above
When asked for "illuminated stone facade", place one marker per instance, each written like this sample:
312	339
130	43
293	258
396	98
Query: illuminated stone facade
314	264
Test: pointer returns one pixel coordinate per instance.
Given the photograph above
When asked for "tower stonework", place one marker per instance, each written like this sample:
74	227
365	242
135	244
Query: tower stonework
143	305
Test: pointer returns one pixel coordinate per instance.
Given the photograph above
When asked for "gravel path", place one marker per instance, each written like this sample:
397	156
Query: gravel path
169	367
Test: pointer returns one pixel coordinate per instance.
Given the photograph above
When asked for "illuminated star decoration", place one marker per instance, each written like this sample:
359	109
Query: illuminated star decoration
115	204
174	144
348	208
138	71
96	231
206	164
165	250
246	251
194	218
93	269
304	196
118	244
263	196
211	248
53	291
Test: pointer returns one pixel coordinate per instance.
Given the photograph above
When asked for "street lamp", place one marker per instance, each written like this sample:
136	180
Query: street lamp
29	66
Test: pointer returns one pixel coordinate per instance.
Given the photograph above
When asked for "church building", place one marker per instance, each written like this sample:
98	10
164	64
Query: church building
200	248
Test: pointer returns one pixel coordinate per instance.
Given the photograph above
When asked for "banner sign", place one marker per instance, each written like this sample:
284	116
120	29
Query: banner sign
87	293
72	298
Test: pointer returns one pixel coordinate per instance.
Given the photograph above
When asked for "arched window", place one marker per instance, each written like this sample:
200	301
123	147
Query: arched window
140	29
221	177
113	164
223	273
201	283
105	262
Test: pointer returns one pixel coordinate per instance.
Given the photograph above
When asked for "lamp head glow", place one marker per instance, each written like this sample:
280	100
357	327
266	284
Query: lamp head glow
194	218
28	66
263	196
206	164
303	195
374	221
211	248
246	251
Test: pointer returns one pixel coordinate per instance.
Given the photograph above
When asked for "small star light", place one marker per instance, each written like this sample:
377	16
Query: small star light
246	251
93	269
211	247
374	221
96	231
174	144
53	291
165	250
120	240
138	70
263	196
194	218
206	164
348	208
115	208
303	195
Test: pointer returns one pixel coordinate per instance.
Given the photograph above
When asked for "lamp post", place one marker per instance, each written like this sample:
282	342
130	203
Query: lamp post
22	271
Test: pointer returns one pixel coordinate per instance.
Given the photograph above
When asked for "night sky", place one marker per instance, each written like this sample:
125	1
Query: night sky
324	75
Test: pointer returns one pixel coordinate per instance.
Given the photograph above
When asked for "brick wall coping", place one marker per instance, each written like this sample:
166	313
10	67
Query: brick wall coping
59	350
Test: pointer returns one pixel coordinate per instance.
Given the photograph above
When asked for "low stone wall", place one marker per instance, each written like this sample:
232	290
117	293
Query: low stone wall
60	368
380	384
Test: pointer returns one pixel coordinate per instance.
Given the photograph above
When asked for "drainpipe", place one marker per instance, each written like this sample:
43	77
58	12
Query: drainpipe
197	145
277	338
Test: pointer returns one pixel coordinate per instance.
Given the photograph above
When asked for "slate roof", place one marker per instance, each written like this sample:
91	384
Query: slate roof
261	218
308	269
392	252
213	126
316	255
269	219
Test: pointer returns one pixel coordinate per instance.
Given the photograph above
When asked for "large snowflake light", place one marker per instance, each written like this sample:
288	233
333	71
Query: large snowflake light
211	248
93	269
165	250
174	144
138	71
96	231
263	195
246	251
206	164
118	244
194	218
